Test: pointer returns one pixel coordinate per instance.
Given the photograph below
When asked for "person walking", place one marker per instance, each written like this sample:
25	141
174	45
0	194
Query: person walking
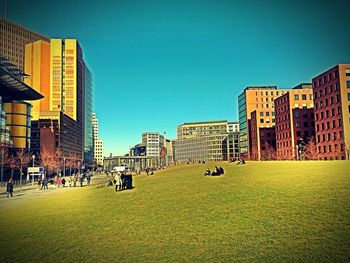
63	182
59	182
88	179
9	187
46	183
81	179
75	178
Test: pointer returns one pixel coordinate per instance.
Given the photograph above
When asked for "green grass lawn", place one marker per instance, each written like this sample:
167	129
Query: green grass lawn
259	212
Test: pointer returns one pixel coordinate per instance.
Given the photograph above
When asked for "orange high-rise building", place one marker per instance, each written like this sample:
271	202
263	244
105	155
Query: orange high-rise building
260	99
57	70
37	67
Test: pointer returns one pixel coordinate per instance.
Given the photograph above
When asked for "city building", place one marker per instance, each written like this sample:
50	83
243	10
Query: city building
332	112
260	98
98	143
169	151
98	151
206	141
201	129
294	114
55	130
88	136
13	39
15	111
153	142
262	139
233	127
57	69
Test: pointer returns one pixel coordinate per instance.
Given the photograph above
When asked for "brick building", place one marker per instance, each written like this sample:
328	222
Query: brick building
294	121
332	112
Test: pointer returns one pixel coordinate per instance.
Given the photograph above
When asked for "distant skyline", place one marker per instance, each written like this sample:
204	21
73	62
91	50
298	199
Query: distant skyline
158	64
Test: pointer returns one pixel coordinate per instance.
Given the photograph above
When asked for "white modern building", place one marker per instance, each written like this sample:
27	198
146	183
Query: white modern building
98	143
153	142
232	126
207	141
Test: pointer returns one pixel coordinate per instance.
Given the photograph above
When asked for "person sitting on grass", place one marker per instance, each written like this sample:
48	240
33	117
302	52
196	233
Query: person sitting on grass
216	172
110	183
241	161
207	172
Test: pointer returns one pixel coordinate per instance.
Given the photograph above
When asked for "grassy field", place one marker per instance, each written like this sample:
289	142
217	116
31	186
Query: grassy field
259	212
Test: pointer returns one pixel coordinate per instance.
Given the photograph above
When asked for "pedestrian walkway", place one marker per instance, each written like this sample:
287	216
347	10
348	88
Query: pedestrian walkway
30	192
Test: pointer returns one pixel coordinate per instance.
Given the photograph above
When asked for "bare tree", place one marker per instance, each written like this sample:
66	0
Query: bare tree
47	159
311	151
12	163
3	160
71	163
269	152
58	161
23	157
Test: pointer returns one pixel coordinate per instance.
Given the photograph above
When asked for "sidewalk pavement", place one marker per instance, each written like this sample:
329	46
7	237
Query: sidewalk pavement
30	191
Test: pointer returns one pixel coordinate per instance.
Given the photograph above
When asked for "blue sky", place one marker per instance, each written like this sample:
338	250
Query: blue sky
157	64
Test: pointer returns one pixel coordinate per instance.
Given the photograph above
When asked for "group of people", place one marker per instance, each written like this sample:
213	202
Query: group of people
217	171
60	181
122	181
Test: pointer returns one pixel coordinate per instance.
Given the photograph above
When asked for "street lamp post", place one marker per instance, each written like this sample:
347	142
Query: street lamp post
64	166
2	163
33	156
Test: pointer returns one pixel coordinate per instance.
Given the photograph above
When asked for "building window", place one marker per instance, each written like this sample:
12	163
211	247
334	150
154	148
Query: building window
261	113
348	84
297	124
261	120
347	72
303	96
296	97
348	96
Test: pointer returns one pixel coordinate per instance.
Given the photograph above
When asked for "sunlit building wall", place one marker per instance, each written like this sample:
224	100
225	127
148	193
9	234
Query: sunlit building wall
256	98
88	138
332	112
13	39
37	65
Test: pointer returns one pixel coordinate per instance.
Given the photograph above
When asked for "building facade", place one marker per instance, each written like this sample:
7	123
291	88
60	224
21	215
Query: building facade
13	39
260	98
15	110
57	70
55	130
98	149
98	143
201	129
262	139
207	141
233	127
153	142
88	136
332	112
294	121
